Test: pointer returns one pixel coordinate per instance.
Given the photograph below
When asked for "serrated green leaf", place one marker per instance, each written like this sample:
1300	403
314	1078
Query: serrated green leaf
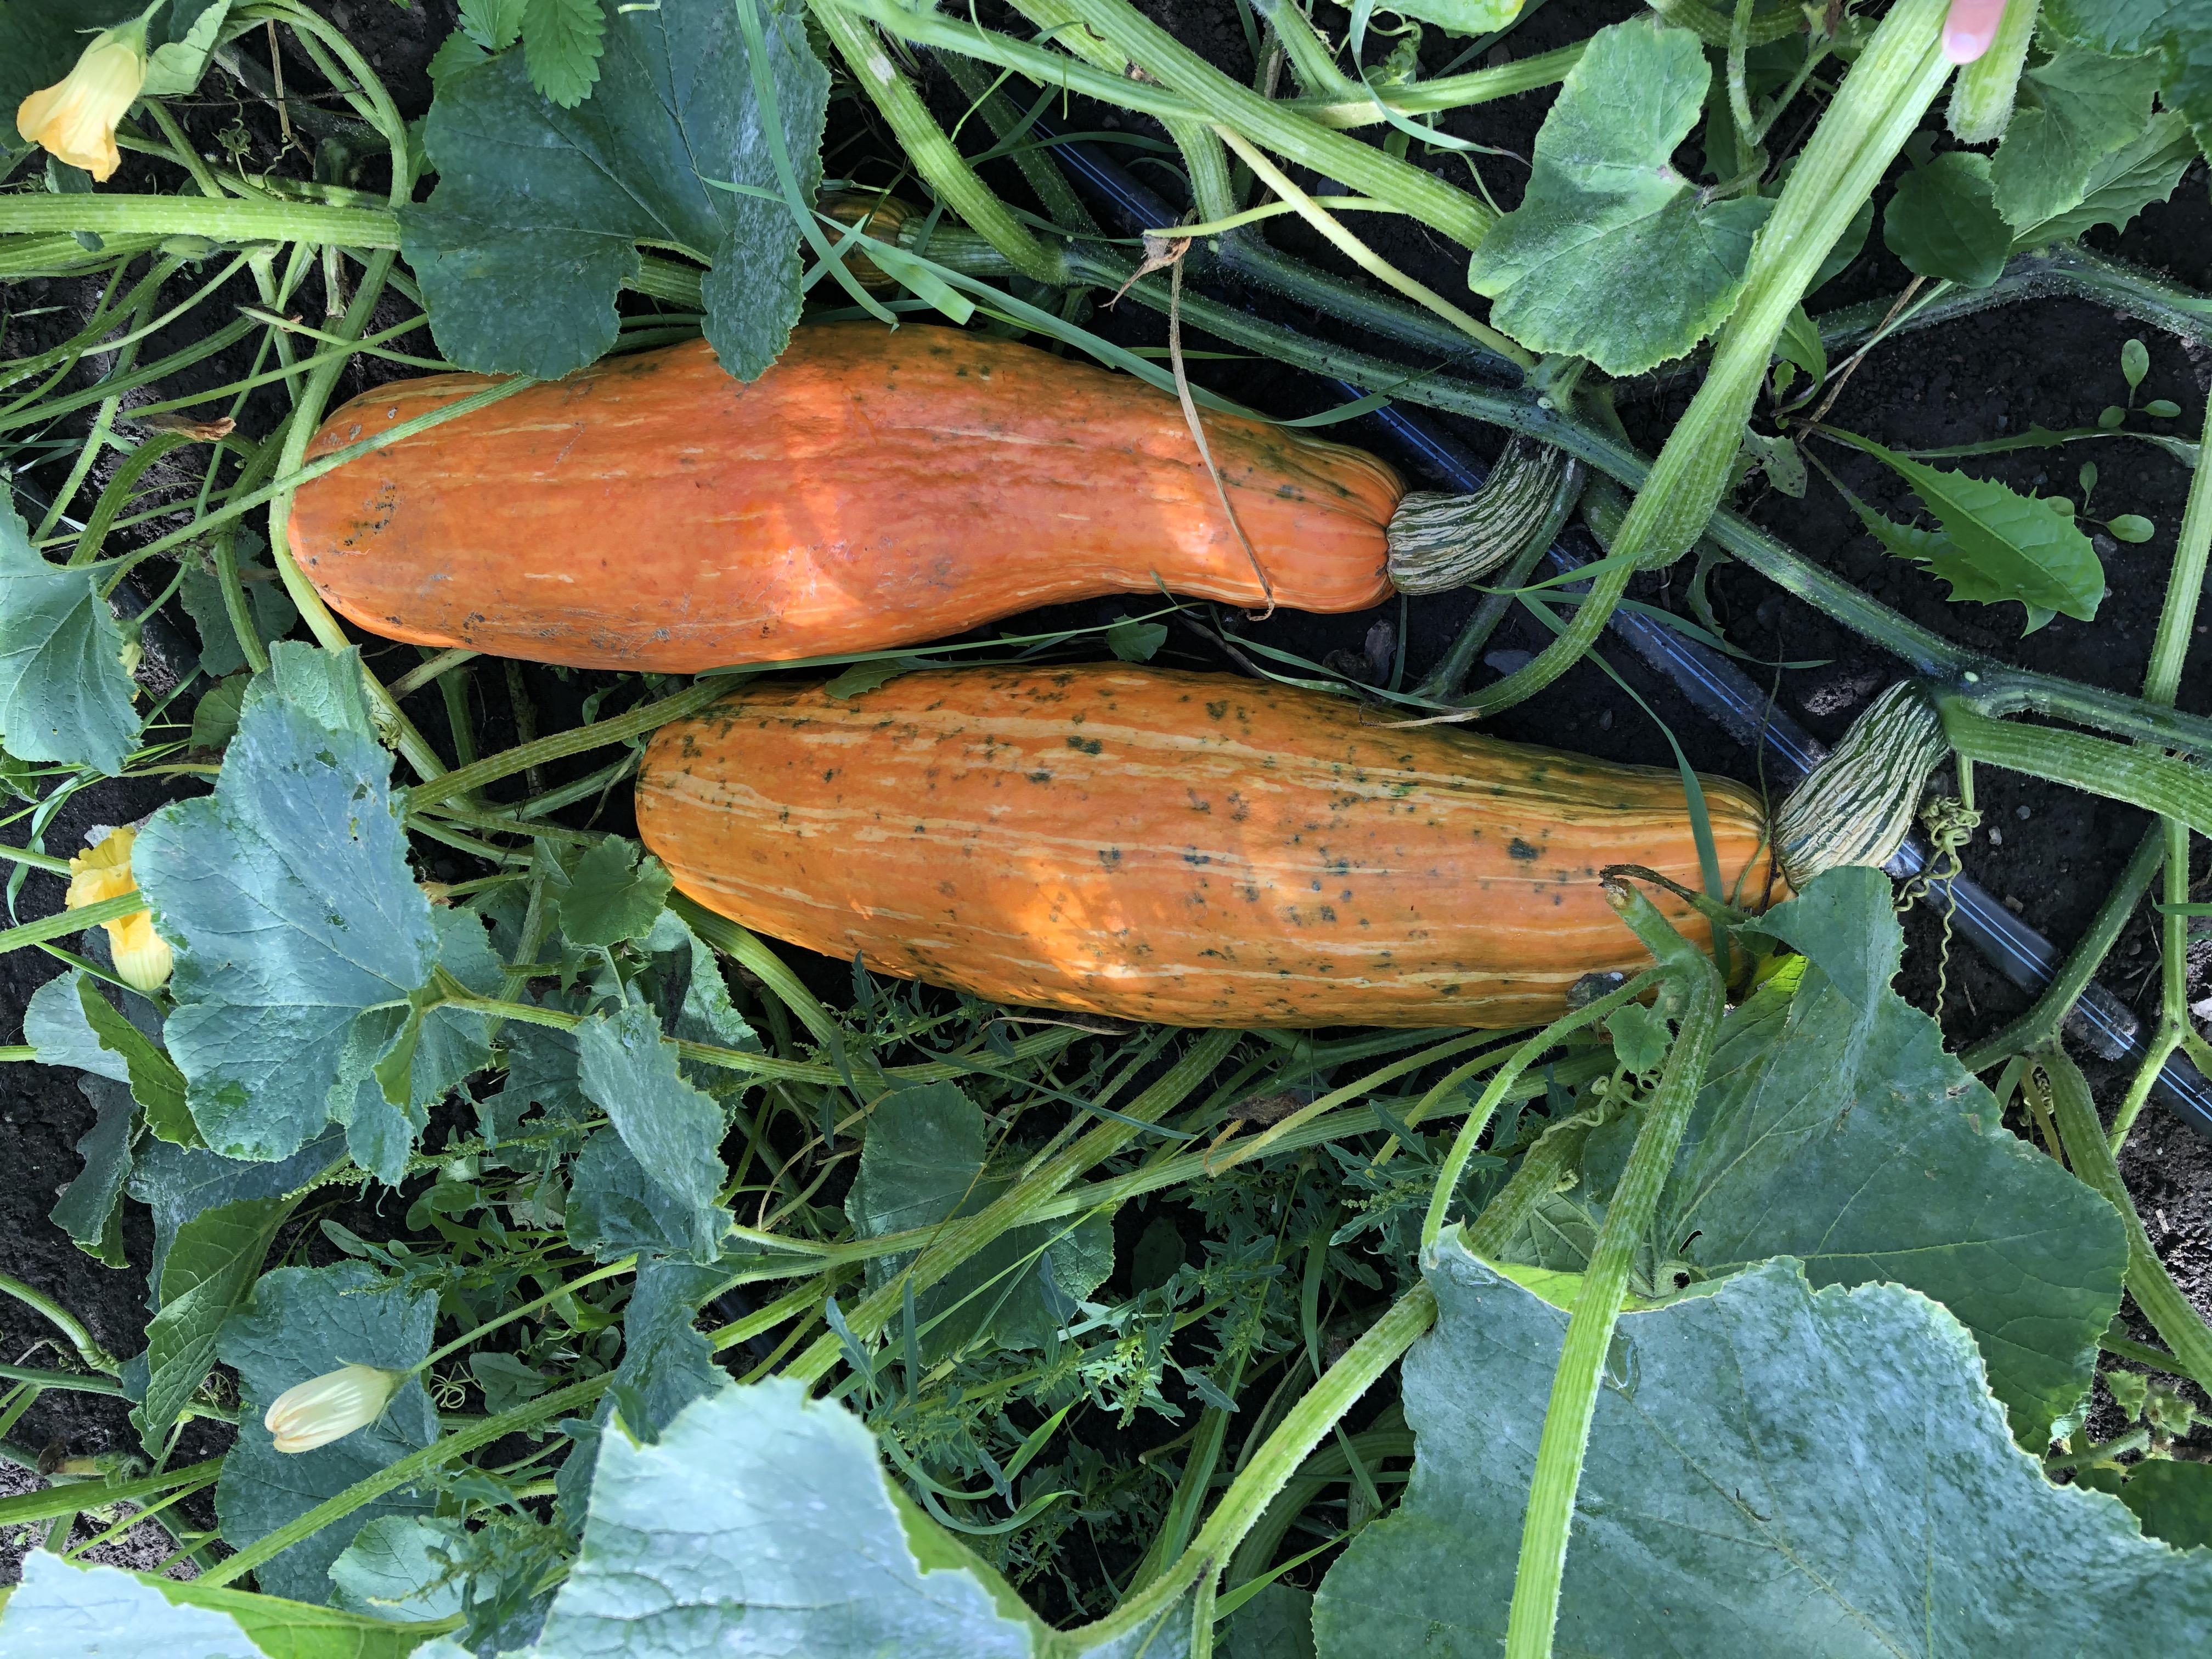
174	68
1275	1624
2179	31
666	1363
177	1183
1640	1037
689	992
215	717
55	1024
494	24
2173	1501
613	894
533	227
615	1208
88	1208
393	1568
2123	183
1463	16
1612	255
1997	545
267	605
865	676
1799	343
1771	1470
1943	221
922	1162
671	1129
205	1275
64	694
2074	110
562	44
761	1523
155	1080
301	1323
295	917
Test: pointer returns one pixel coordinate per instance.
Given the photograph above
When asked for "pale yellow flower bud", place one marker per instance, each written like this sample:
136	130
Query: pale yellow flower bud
330	1407
75	118
142	955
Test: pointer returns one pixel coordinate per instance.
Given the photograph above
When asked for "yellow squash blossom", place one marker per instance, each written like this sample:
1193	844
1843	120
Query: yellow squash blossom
142	955
327	1407
75	119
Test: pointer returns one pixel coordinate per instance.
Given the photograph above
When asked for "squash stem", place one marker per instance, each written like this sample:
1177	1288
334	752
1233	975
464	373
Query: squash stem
2140	776
2169	1312
1550	1517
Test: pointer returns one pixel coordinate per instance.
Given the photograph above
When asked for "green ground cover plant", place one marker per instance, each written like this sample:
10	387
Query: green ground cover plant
1724	1316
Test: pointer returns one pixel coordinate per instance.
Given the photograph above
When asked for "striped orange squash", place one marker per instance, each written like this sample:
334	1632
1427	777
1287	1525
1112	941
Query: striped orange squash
873	489
1192	848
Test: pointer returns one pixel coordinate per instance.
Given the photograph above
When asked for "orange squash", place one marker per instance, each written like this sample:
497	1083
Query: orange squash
1192	848
874	489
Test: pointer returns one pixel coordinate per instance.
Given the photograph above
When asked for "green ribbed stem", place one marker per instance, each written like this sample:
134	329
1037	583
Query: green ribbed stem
2171	1313
1550	1517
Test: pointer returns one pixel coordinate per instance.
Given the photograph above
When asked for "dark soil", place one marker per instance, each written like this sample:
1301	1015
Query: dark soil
2055	362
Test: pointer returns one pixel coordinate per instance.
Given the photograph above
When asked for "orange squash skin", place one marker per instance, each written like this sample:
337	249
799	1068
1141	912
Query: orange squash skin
1189	848
874	489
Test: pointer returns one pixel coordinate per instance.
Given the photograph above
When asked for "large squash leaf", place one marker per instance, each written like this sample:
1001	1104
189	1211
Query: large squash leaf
300	933
1834	1129
1611	254
63	1611
1771	1470
64	694
534	225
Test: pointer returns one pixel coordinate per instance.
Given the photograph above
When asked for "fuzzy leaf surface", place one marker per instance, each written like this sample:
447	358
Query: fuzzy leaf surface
760	1523
299	926
2179	31
64	694
1771	1469
2074	111
534	225
1611	256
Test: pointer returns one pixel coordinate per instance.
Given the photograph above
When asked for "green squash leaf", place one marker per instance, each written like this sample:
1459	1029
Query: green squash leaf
534	225
88	1210
1833	1128
1943	221
268	606
921	1163
2179	31
2123	183
300	930
2074	111
1612	255
1996	545
666	1363
177	1183
670	1127
762	1522
2173	1501
303	1322
393	1568
205	1274
613	894
64	694
56	1024
1771	1469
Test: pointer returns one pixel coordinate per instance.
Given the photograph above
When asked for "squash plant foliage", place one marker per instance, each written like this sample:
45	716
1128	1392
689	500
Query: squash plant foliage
696	1314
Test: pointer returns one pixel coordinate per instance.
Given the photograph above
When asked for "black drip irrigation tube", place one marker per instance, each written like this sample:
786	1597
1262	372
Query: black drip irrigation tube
1724	694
